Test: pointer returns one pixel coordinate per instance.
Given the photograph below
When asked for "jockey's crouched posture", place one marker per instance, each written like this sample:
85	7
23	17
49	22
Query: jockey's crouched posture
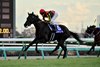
51	16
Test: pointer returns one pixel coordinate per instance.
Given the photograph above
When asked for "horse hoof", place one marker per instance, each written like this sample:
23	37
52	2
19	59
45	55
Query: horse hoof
88	53
64	57
97	55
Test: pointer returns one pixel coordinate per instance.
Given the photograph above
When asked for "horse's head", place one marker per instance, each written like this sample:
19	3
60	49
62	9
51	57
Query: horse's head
31	19
90	30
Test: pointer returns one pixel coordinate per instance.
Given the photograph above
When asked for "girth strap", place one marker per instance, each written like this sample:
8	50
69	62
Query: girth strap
52	36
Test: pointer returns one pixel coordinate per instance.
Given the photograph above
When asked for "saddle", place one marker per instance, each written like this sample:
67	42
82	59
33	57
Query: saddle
55	28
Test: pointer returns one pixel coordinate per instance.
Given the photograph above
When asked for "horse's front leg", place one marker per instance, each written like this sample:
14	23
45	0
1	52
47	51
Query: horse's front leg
92	48
34	41
37	48
26	47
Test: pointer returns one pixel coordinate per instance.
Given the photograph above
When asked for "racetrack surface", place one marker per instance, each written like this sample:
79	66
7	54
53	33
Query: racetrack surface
68	62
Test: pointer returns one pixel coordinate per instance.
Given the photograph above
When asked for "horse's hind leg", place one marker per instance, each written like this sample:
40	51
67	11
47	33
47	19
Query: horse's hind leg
65	50
57	47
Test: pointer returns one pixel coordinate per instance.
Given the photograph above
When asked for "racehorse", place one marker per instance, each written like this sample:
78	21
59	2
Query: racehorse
92	30
43	33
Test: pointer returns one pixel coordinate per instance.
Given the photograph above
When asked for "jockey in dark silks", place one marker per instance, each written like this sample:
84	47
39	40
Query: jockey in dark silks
51	16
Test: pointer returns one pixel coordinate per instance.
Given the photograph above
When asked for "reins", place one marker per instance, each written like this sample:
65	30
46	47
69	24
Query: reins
96	33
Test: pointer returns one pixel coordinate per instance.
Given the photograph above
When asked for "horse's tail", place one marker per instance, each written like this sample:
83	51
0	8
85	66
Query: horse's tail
76	36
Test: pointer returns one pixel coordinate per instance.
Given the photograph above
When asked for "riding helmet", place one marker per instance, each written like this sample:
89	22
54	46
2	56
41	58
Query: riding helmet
42	11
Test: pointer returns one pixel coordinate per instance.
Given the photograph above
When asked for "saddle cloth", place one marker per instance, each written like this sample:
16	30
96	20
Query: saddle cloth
98	28
58	29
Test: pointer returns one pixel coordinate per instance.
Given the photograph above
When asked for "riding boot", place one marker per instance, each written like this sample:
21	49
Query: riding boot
55	28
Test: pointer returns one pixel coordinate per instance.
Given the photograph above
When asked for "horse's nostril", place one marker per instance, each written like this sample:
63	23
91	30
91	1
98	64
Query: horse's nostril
24	25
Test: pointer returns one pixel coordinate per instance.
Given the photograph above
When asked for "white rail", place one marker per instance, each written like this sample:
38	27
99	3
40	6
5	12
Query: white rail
10	41
31	39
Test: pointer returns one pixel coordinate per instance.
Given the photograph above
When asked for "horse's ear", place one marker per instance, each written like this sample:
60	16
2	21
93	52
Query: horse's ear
32	12
94	26
28	13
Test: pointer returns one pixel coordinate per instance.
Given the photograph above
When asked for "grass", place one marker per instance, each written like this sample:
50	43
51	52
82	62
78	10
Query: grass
68	62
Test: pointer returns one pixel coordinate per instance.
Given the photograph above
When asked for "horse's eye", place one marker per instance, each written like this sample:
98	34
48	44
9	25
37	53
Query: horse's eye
89	30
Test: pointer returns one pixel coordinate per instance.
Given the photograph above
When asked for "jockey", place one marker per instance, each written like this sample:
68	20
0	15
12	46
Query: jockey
50	15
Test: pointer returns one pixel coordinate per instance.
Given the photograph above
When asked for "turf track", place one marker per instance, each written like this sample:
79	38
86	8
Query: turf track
68	62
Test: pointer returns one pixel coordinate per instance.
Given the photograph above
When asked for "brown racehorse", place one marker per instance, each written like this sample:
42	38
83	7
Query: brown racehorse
92	30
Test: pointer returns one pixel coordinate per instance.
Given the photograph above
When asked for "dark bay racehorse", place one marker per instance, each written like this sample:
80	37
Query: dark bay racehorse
43	33
92	30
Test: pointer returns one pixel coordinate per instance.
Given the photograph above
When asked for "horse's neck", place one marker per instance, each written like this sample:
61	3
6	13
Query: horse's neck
37	25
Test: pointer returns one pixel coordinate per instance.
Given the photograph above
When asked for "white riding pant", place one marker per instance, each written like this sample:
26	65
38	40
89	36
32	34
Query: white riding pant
54	17
53	20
